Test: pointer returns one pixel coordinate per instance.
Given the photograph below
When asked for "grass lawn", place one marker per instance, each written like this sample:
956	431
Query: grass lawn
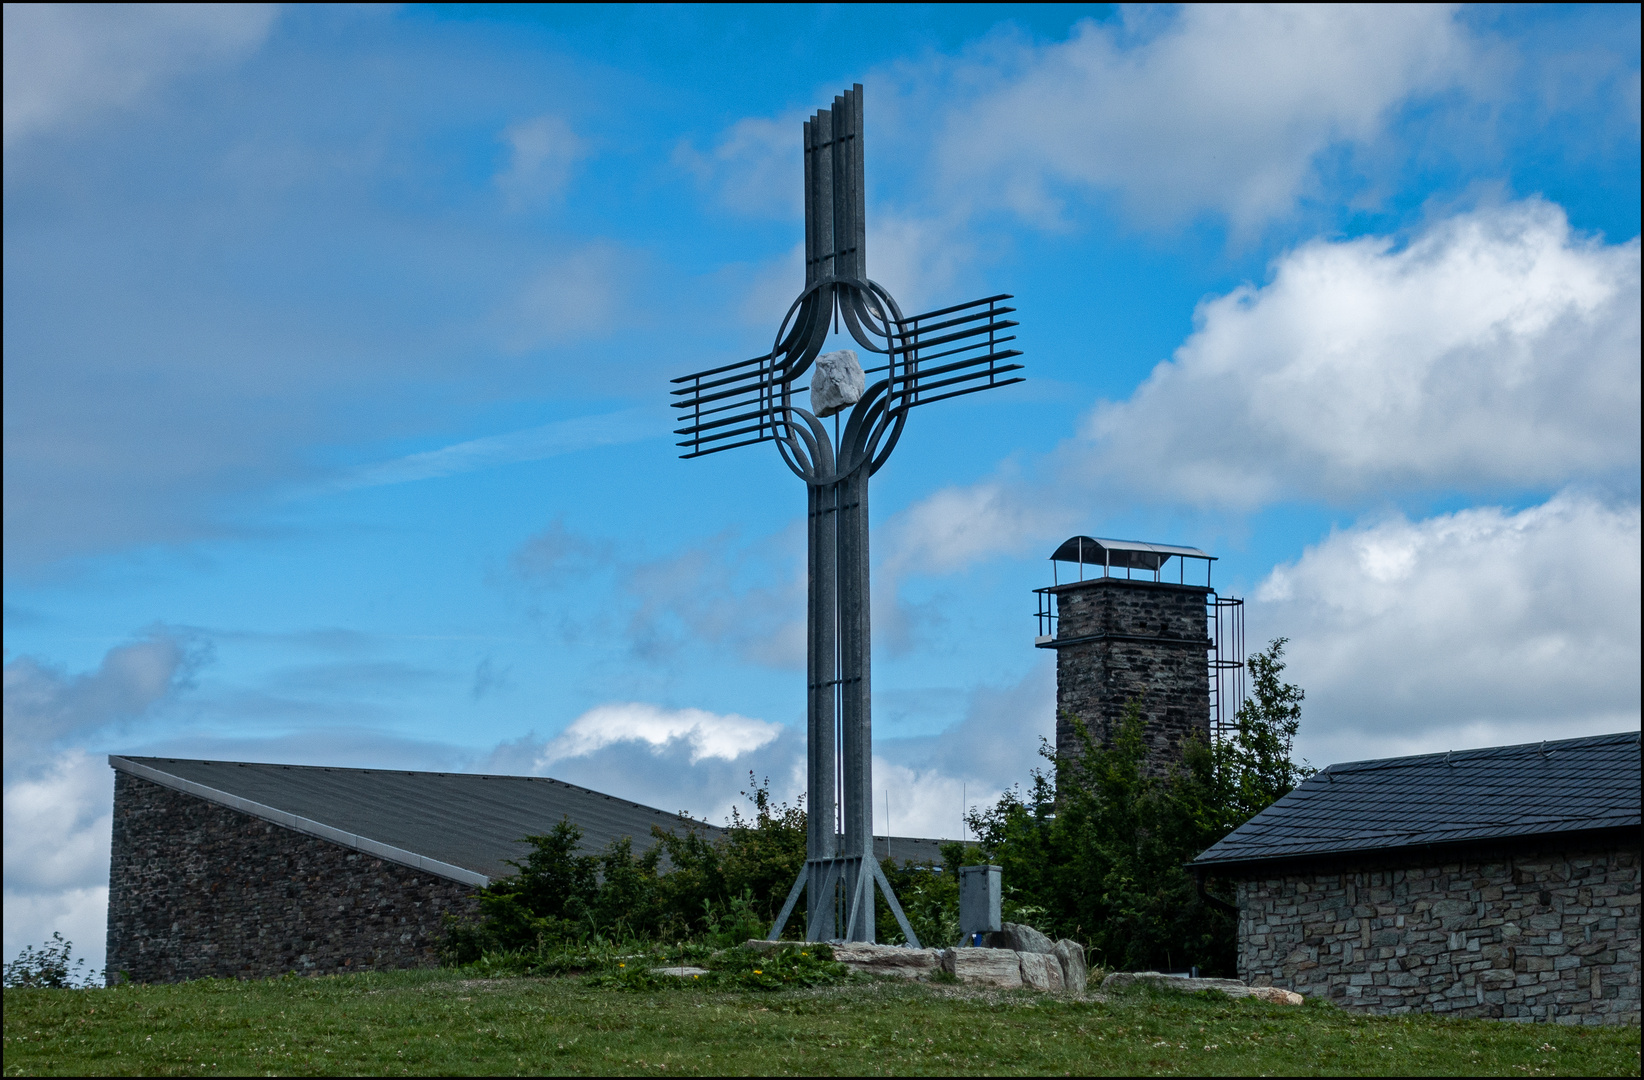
443	1022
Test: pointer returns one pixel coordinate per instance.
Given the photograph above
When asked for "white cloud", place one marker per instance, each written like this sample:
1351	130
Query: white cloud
924	802
709	735
750	597
994	745
80	915
755	168
1219	108
57	825
579	296
529	444
64	62
688	760
544	151
1475	628
958	526
696	761
43	705
920	259
1496	348
59	802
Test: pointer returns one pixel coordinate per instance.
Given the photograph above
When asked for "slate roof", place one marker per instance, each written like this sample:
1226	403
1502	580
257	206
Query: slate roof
1496	794
458	825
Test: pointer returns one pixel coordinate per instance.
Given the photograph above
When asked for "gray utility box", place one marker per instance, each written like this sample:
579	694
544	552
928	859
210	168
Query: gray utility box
978	899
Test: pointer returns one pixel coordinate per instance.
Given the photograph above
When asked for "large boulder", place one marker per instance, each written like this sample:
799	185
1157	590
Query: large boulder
888	959
1071	955
837	382
1041	971
1124	980
765	947
1019	938
987	967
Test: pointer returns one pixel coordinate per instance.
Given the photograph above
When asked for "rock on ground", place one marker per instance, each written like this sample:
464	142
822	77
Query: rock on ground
1052	968
990	967
1041	971
1122	980
1020	938
1075	975
765	948
683	972
888	959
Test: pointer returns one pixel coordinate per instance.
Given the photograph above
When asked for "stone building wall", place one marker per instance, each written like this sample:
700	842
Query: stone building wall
197	890
1536	936
1170	678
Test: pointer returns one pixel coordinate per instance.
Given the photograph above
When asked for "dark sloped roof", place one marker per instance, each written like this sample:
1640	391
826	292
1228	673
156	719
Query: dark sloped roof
458	825
1500	793
467	820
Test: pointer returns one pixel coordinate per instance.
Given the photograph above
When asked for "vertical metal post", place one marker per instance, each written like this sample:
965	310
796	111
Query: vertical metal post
856	693
822	175
821	840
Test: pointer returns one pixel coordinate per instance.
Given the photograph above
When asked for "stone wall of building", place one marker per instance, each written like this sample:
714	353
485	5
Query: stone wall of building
1536	936
1153	650
197	890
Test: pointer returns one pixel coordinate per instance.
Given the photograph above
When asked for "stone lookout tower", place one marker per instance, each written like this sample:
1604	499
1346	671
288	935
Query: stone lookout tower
1124	631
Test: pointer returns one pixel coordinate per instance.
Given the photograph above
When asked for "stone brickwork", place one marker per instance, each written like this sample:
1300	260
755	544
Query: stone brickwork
1150	645
1535	936
197	889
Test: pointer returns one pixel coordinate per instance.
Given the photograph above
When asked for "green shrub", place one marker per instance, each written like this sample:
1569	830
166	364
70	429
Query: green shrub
52	966
562	902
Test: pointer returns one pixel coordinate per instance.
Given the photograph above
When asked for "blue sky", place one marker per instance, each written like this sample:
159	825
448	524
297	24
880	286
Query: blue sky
337	344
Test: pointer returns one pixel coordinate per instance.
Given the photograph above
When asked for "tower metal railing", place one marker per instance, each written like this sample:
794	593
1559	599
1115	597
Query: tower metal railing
1226	616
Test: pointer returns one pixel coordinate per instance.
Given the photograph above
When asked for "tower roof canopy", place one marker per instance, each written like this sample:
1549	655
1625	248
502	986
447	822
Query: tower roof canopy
1134	554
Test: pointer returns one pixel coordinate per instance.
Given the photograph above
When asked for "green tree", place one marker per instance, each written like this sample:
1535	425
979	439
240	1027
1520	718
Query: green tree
1260	752
1100	853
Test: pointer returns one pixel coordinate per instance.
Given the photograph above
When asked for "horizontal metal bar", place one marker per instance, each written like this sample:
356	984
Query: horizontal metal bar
990	314
723	394
975	331
958	365
920	390
754	377
726	367
730	446
696	388
722	422
730	434
737	403
961	393
960	307
925	359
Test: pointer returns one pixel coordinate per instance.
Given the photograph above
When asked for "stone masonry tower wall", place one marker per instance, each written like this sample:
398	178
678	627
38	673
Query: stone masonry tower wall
1119	640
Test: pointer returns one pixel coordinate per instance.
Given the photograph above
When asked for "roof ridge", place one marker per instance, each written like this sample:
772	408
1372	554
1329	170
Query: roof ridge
1544	748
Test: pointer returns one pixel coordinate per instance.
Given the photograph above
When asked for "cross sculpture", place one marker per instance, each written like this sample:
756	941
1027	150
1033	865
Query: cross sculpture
912	361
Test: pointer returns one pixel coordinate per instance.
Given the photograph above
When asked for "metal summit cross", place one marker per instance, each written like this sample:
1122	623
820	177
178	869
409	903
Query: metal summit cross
912	362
